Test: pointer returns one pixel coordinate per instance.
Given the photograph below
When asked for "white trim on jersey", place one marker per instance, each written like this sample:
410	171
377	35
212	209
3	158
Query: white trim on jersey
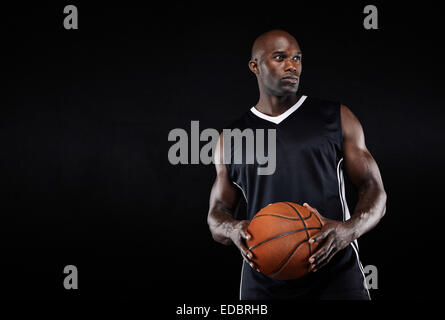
361	268
341	190
282	116
241	282
242	267
240	189
347	216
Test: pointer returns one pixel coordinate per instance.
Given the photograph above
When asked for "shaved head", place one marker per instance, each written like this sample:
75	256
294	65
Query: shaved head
276	62
269	40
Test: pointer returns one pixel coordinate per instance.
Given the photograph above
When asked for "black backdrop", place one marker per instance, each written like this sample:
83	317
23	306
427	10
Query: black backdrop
85	115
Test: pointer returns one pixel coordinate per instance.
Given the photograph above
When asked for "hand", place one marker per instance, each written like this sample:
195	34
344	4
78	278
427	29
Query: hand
239	235
333	237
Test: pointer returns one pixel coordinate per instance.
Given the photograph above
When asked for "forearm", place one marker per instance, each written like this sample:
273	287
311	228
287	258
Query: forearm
221	223
370	208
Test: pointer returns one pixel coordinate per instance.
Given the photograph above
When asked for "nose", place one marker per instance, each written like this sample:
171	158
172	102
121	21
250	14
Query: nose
292	66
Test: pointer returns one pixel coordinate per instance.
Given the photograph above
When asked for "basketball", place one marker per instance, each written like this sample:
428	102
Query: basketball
279	241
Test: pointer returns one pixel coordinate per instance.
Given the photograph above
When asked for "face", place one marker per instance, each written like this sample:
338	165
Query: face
278	67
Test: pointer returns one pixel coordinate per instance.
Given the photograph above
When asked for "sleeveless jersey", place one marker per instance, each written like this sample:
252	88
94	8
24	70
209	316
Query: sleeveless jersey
308	168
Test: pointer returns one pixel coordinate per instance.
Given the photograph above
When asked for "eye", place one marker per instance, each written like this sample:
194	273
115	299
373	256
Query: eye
279	57
297	58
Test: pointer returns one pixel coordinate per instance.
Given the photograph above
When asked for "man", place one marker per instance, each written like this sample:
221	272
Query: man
315	139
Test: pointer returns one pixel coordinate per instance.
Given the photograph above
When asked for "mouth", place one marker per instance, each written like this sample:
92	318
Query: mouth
291	79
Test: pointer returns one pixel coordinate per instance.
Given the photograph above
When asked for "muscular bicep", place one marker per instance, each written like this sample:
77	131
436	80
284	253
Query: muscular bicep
223	196
360	166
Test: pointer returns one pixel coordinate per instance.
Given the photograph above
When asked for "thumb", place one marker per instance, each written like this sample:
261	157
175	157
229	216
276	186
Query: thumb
315	211
245	234
306	205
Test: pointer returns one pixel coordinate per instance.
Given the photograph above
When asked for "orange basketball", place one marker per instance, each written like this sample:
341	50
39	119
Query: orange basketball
280	234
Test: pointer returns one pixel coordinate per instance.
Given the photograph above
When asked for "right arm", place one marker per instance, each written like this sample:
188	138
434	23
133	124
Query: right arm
224	199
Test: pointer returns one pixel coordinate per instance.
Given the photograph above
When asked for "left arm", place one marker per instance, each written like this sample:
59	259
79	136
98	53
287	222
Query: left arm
364	173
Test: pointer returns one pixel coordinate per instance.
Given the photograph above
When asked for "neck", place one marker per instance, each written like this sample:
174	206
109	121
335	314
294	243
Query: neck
275	105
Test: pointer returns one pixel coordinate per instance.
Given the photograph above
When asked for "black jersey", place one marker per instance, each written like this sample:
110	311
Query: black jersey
309	158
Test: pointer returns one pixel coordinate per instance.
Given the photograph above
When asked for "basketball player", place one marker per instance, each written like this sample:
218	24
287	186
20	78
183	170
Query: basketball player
315	140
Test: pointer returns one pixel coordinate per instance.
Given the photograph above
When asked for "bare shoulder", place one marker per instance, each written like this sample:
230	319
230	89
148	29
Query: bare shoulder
351	127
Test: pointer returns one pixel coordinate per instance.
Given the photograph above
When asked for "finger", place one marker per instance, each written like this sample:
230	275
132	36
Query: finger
306	205
319	237
245	257
243	230
321	264
322	250
319	254
254	266
245	234
249	261
315	211
242	244
248	256
245	250
319	260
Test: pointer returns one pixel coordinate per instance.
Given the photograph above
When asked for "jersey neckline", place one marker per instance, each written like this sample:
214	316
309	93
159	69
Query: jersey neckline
281	117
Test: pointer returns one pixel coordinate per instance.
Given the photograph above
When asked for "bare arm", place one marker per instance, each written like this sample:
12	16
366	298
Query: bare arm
364	173
371	206
224	199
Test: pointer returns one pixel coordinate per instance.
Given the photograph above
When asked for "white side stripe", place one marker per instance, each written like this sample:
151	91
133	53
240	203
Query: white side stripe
347	216
242	267
361	269
241	283
236	184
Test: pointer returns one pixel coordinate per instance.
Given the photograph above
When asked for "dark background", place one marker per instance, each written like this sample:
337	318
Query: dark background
85	116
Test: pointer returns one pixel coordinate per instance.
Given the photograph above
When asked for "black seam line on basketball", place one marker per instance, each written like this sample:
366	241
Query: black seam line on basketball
301	217
305	226
287	259
278	216
281	235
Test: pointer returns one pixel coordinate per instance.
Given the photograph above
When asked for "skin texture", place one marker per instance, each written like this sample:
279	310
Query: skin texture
276	62
276	56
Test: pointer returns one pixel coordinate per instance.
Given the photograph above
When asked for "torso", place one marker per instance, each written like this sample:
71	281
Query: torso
309	159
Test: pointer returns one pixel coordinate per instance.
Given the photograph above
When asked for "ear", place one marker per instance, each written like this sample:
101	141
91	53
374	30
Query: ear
253	66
